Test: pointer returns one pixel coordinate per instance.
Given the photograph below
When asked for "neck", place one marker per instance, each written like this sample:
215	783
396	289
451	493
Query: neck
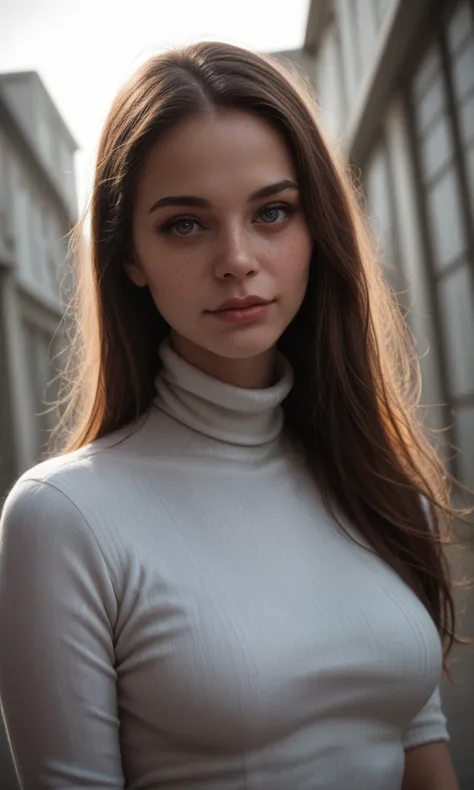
241	417
255	372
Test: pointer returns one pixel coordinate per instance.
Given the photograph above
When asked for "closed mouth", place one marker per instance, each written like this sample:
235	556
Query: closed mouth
240	305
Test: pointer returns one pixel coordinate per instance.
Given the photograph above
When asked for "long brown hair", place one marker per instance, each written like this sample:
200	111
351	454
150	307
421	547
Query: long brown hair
353	407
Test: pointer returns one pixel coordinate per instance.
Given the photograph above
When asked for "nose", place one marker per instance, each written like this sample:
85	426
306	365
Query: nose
234	258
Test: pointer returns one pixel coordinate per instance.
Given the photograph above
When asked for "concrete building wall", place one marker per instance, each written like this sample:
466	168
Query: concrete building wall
44	129
37	209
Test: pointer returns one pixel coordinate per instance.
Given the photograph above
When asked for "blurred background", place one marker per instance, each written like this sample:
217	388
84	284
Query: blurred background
394	81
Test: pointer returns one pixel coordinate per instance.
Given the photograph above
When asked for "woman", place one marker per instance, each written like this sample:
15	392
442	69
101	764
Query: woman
233	578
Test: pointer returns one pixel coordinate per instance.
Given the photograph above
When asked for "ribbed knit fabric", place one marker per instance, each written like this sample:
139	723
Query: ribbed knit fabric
178	610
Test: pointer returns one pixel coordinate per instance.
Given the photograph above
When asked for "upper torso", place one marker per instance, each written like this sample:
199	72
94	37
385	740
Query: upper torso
209	624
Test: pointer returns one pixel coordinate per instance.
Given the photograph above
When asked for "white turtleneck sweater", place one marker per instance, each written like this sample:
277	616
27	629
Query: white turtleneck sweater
178	610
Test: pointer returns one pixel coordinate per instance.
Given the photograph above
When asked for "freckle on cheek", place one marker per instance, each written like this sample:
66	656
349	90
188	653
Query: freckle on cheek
180	274
300	266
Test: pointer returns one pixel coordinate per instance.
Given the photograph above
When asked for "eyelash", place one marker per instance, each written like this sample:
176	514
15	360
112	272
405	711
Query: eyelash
169	225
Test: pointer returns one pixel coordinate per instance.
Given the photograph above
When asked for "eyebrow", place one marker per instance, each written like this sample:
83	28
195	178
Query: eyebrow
197	202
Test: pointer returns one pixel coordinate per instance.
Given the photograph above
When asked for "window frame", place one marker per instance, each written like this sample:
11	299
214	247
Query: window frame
436	34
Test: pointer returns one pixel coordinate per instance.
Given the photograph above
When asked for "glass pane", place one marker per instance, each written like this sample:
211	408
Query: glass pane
444	214
429	66
380	8
470	172
366	30
40	371
465	443
22	226
430	105
456	295
377	180
329	82
460	26
466	119
463	71
436	149
3	197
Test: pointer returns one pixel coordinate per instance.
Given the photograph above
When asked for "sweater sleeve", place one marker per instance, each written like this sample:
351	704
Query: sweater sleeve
428	726
57	676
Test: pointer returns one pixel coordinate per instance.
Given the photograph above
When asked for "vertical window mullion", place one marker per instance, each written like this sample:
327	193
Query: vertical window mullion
463	186
433	280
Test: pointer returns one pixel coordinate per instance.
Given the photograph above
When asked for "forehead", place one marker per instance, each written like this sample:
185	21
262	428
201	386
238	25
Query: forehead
223	153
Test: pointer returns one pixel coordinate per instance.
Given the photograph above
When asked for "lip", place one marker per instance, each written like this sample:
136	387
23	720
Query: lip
241	304
245	315
249	310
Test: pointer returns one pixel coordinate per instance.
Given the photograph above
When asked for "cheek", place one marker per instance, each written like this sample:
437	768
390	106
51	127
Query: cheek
294	266
172	290
167	277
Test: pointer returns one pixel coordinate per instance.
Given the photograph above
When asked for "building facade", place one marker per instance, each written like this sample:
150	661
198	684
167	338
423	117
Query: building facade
394	81
395	87
37	209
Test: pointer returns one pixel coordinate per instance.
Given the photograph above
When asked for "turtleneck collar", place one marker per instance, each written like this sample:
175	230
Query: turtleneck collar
243	417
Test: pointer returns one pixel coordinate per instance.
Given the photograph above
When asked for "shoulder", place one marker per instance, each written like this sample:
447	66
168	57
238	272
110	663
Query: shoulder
83	490
42	487
39	509
47	531
45	538
51	556
93	494
48	486
80	475
58	498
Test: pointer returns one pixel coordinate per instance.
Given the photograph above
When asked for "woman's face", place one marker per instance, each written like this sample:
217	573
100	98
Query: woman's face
217	217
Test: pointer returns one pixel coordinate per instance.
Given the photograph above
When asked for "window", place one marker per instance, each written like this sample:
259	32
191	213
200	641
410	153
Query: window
50	243
44	277
59	250
45	137
381	209
460	27
365	21
445	219
465	422
329	82
442	101
38	242
432	103
66	166
437	149
42	371
457	315
22	226
358	21
470	172
380	8
460	46
4	196
7	444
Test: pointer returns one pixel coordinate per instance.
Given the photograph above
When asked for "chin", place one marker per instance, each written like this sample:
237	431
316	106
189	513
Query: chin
245	345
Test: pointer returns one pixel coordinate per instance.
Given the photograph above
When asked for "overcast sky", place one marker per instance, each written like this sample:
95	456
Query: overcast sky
84	49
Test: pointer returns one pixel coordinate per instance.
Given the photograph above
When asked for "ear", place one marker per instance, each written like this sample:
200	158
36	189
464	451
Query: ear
135	273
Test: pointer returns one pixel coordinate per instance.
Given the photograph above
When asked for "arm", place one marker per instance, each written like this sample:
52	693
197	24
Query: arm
429	767
57	676
428	764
